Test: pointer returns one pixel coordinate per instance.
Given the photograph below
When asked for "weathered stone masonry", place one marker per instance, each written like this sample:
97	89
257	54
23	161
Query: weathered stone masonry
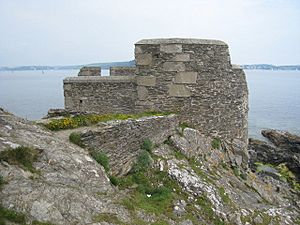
192	77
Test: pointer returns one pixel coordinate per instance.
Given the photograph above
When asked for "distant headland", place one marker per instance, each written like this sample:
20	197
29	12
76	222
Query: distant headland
131	63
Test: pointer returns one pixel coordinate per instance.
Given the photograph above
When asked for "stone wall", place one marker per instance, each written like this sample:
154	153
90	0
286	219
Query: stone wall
122	71
121	140
192	77
100	94
90	71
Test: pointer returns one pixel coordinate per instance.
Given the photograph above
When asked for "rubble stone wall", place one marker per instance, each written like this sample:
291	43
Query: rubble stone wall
122	71
192	77
100	94
121	140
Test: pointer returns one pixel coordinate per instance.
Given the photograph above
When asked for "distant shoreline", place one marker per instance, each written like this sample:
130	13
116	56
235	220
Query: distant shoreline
132	63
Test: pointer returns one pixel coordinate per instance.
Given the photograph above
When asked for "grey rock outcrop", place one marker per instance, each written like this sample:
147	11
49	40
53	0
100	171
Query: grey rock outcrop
283	139
69	187
68	184
286	149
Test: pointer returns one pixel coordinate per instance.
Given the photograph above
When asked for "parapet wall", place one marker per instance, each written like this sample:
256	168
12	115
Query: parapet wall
100	94
90	71
122	71
192	77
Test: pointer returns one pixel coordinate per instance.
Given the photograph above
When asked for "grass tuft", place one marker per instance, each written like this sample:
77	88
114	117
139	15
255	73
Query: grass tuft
208	211
147	145
216	143
75	138
108	217
114	180
142	163
11	216
102	159
21	156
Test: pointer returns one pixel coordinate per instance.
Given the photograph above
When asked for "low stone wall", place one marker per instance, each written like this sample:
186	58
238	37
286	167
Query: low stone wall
90	71
100	94
122	71
121	140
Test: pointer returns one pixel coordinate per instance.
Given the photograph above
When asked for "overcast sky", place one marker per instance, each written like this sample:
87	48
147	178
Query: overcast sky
69	32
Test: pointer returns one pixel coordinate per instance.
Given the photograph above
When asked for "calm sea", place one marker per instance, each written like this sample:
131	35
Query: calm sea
274	99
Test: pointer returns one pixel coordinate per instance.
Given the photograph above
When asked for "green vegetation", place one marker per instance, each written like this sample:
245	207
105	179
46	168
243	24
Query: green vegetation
224	196
21	156
8	216
153	192
216	143
147	145
283	172
86	120
266	219
150	189
76	139
11	216
179	155
236	171
288	176
207	210
114	180
107	217
102	159
142	163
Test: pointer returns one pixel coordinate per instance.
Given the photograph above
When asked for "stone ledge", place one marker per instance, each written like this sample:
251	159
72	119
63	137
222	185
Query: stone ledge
180	41
96	79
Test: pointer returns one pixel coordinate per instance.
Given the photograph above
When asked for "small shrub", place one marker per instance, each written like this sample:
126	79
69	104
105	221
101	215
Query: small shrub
102	159
22	156
114	180
147	145
179	155
142	163
236	171
216	143
11	216
76	139
287	175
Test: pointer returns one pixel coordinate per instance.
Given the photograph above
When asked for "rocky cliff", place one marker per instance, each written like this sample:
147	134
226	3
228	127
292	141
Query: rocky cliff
177	176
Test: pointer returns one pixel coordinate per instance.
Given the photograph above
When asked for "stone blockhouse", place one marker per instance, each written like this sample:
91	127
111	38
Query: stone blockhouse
191	77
